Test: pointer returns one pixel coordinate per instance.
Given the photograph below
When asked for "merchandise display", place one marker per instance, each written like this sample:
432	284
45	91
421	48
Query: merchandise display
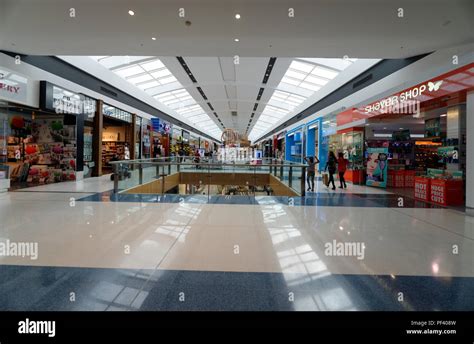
41	150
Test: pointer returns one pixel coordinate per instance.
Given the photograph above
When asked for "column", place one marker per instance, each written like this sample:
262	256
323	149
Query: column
134	137
97	140
470	153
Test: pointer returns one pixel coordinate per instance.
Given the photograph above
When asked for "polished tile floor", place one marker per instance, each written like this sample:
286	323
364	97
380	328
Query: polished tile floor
99	251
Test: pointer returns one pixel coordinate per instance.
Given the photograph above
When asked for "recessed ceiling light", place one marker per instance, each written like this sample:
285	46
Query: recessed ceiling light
401	128
153	38
237	16
236	39
131	12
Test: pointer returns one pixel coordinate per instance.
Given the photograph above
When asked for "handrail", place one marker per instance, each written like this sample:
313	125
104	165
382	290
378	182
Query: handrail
159	163
123	168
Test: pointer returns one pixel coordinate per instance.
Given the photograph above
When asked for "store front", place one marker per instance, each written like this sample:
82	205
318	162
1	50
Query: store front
415	140
160	138
51	144
315	139
117	136
280	145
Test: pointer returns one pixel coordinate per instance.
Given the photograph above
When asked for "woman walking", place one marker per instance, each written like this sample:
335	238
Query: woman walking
331	168
341	168
311	171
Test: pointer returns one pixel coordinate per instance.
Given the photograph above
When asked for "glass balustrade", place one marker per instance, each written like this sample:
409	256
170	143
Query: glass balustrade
159	175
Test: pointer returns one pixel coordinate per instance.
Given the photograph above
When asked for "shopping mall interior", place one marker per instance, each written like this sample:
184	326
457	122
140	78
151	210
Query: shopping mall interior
236	155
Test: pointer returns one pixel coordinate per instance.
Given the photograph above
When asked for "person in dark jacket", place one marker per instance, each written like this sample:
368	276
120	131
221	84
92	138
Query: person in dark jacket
331	168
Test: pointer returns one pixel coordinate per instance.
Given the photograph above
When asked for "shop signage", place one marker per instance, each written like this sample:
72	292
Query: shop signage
155	125
422	188
61	100
13	86
377	167
437	194
410	94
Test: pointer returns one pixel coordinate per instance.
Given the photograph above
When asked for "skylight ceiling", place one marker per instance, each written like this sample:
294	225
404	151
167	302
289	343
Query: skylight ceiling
150	75
304	77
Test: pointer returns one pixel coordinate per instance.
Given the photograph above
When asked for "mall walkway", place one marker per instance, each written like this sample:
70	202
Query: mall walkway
99	251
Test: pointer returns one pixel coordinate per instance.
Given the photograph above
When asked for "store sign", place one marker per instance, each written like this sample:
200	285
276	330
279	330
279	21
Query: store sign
66	102
437	194
422	189
13	86
397	100
60	100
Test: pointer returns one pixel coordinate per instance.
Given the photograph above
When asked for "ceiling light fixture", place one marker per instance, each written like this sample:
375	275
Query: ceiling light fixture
153	38
236	40
237	16
444	115
131	12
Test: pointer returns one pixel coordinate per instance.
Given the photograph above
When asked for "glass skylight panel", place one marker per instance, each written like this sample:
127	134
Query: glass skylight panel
295	75
146	85
315	80
300	66
151	76
161	74
290	81
325	73
153	65
129	71
167	80
311	87
140	79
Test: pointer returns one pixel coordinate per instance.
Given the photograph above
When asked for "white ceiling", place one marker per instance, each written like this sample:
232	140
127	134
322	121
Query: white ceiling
231	87
322	28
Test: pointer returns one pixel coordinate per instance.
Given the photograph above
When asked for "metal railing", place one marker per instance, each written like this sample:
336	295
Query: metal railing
128	174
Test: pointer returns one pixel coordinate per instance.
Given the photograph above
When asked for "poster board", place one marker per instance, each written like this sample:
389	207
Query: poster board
377	167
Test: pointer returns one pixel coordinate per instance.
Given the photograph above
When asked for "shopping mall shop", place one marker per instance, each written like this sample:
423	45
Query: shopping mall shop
69	136
412	143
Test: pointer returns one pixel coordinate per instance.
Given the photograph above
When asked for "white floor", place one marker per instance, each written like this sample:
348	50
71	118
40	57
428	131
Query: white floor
218	237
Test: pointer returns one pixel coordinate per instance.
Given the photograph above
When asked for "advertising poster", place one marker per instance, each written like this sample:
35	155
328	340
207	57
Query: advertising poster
377	166
448	155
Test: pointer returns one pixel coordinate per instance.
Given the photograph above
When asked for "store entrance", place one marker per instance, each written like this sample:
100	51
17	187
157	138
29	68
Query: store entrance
38	147
424	154
116	142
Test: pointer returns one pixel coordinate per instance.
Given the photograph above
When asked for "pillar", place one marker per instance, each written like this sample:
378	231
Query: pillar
470	153
97	140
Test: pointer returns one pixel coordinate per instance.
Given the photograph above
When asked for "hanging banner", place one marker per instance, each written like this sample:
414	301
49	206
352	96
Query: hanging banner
377	167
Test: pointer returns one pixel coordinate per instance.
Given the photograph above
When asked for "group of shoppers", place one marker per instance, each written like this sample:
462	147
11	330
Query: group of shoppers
333	164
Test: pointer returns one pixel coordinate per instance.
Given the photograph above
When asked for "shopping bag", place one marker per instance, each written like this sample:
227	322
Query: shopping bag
325	178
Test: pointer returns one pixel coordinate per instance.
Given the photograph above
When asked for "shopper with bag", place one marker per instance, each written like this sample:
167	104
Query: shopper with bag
331	168
341	168
311	171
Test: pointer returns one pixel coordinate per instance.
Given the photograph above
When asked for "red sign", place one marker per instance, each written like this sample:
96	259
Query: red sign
409	179
438	194
422	188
